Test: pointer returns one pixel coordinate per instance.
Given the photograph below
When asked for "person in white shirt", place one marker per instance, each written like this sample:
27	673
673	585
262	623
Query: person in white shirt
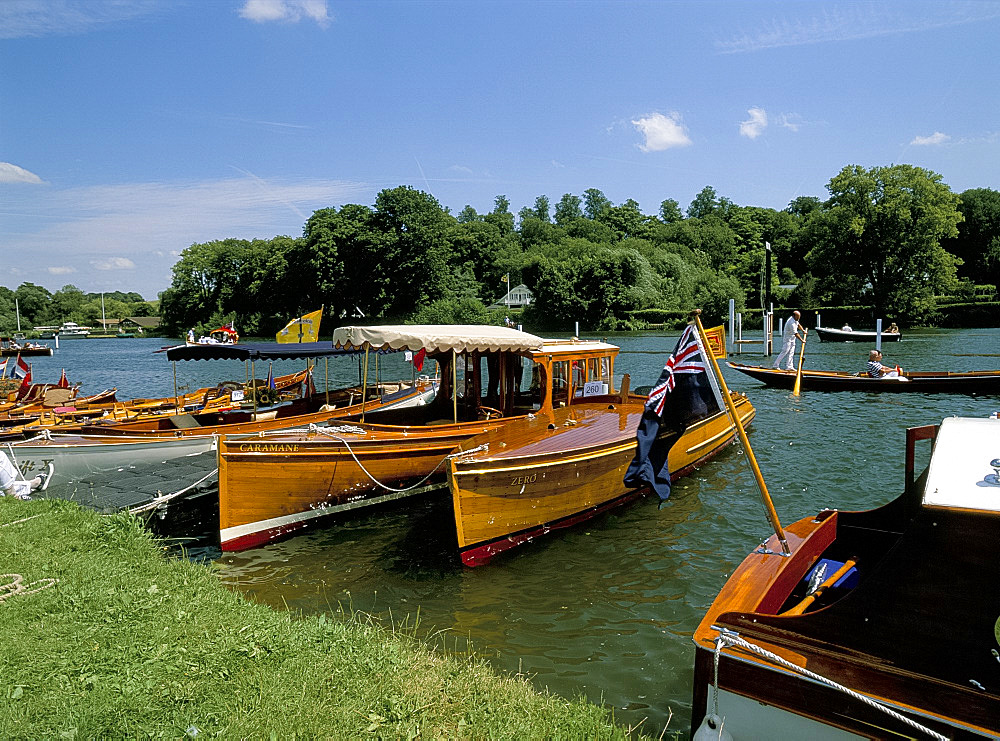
788	341
12	483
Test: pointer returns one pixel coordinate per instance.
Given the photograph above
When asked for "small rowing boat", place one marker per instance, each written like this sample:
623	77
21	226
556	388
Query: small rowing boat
930	382
828	334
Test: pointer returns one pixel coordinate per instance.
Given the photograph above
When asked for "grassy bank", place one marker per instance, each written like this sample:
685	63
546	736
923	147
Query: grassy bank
130	643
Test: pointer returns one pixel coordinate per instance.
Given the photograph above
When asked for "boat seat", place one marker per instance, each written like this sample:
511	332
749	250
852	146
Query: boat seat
184	421
56	397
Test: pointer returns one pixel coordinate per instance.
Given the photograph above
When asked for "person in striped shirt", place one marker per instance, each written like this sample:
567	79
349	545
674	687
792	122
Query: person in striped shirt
876	369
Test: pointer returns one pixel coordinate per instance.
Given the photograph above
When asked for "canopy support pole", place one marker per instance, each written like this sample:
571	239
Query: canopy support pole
741	432
253	388
364	385
326	383
454	384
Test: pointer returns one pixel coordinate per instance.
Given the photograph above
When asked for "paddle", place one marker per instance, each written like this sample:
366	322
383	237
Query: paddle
798	376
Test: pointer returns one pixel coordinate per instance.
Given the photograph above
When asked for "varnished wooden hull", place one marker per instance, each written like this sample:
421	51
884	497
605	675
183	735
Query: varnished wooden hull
912	628
273	486
971	382
552	472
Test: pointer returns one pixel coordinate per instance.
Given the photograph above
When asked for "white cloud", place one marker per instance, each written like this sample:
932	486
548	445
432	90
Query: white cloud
94	227
824	23
13	174
38	18
461	169
289	11
926	141
113	263
790	121
755	125
60	270
662	132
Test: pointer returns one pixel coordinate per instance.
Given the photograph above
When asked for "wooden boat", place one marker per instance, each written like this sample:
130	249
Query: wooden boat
828	334
10	348
558	469
929	382
317	409
271	487
891	609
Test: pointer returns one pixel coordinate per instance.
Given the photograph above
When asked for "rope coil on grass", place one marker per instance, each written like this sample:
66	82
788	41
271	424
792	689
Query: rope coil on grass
16	586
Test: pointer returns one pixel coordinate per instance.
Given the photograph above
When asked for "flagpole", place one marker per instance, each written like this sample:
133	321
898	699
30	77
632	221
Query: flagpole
741	432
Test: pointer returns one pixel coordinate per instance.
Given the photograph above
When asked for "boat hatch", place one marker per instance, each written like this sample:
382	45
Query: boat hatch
964	471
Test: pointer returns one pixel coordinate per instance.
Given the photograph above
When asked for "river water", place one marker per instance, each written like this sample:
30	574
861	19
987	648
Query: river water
606	610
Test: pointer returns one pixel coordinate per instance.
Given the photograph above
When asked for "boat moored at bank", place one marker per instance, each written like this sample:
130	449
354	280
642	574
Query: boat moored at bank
873	624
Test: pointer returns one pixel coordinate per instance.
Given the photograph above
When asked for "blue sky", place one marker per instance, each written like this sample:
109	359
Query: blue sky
130	129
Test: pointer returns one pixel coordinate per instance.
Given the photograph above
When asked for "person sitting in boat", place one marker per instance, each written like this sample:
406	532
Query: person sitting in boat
12	483
846	328
893	329
877	370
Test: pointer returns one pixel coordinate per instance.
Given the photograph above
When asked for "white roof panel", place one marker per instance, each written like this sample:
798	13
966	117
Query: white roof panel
436	338
961	473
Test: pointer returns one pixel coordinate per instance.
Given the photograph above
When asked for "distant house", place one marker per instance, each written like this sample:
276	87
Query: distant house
139	324
516	298
109	325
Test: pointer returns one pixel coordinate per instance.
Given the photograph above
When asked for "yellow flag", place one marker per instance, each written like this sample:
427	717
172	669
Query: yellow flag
303	329
716	337
505	279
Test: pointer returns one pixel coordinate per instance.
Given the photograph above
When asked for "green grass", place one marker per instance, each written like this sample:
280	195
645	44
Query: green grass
133	643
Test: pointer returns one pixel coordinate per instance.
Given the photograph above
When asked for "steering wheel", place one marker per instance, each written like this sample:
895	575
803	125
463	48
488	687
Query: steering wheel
487	413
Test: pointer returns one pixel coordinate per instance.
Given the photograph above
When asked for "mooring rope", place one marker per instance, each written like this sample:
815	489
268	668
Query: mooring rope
23	519
164	498
17	586
728	638
331	432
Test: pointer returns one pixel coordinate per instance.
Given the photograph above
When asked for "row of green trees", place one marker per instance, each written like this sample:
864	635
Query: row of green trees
37	306
895	239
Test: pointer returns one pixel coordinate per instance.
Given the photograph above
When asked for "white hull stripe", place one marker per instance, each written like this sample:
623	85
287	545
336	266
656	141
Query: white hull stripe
241	531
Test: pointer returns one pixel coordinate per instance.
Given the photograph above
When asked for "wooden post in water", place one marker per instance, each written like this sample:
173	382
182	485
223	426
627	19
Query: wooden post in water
177	401
741	432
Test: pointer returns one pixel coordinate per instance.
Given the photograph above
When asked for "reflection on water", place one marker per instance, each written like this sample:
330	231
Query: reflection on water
608	609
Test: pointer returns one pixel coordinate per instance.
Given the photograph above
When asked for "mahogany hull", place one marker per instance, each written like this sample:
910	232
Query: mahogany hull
553	472
904	616
271	487
972	382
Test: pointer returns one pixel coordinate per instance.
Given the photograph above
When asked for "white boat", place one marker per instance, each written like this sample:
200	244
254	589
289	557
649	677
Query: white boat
72	330
829	334
74	457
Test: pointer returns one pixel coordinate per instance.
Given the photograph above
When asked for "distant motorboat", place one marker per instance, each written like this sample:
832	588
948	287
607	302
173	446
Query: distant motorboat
72	330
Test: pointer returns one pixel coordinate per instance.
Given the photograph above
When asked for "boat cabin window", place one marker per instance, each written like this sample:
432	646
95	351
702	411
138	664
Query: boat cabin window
561	383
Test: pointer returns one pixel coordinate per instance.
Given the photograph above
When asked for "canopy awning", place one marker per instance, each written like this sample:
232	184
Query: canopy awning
436	338
257	351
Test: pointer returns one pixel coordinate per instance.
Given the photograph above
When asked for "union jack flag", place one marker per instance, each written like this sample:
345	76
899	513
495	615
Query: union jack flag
685	384
686	358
